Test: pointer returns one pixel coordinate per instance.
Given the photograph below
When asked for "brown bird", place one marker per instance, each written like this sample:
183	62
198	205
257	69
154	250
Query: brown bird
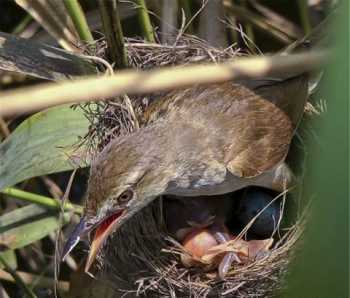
205	140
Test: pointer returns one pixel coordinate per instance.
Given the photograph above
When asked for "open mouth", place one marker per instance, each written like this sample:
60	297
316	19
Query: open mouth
102	231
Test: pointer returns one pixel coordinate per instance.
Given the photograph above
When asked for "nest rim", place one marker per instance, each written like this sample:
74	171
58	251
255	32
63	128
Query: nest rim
259	278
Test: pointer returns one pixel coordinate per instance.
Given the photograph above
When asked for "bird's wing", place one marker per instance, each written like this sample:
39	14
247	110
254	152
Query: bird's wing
289	94
248	133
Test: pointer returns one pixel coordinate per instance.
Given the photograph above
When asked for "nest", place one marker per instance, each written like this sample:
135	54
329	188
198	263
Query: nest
142	259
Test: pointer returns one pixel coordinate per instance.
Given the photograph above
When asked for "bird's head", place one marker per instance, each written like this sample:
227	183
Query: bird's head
126	176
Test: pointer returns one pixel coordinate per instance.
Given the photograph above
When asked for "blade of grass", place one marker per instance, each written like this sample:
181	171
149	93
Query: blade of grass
26	225
248	26
79	20
186	6
113	30
22	25
18	279
145	21
162	79
41	200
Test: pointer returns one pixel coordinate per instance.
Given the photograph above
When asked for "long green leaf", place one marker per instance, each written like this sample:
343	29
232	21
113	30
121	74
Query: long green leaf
42	144
26	225
10	258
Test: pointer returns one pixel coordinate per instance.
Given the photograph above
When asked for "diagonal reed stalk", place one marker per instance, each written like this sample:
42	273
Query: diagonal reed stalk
79	20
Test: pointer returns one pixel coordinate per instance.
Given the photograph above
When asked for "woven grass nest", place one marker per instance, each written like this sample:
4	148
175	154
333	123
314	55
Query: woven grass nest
145	259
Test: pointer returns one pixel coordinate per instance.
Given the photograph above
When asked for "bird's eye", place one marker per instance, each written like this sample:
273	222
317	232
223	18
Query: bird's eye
126	196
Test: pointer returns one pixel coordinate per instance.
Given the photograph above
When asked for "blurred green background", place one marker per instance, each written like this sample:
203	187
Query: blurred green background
322	270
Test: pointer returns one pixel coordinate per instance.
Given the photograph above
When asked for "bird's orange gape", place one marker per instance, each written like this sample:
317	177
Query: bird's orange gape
103	230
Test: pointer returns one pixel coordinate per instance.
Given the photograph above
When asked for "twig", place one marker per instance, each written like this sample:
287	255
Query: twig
79	20
186	6
41	200
145	21
113	31
139	82
57	263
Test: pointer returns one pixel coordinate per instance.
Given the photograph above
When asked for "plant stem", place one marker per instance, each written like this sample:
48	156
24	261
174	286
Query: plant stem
29	293
248	26
22	25
145	21
304	16
27	99
41	200
186	6
79	20
113	32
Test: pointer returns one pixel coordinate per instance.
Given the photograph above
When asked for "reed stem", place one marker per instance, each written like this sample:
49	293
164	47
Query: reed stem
113	31
40	200
79	20
145	21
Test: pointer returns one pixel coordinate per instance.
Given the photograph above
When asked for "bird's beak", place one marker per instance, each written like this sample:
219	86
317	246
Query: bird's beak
80	230
102	230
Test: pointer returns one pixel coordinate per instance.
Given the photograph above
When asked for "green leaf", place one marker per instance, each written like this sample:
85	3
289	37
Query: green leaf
42	144
26	225
10	257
